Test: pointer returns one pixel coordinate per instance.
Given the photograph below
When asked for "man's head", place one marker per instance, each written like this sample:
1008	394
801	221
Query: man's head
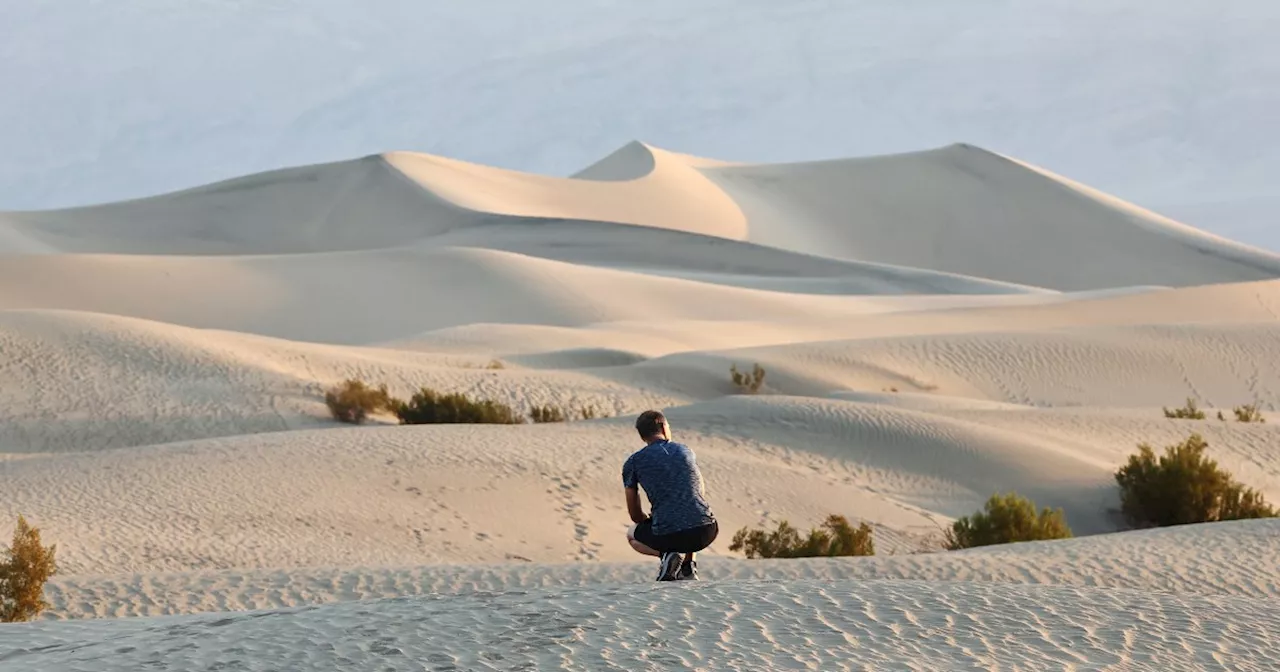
652	426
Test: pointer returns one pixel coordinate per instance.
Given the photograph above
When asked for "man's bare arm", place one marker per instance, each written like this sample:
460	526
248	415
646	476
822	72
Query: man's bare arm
633	505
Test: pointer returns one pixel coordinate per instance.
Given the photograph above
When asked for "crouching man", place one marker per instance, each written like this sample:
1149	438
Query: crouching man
680	523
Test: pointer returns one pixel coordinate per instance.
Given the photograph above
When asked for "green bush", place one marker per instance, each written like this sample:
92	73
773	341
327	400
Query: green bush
1183	486
750	383
1006	519
1188	412
24	568
834	538
428	406
353	401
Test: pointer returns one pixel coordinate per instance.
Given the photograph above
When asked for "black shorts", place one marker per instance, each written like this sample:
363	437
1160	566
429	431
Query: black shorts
685	541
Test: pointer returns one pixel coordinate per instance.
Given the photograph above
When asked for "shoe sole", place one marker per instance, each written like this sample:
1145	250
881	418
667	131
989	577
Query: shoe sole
670	567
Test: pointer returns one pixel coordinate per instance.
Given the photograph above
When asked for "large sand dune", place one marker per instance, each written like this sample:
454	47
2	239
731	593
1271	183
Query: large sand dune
935	327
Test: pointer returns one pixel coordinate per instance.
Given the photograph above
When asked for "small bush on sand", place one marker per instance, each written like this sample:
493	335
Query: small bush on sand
428	406
1188	412
1248	413
547	413
551	413
750	383
834	538
1183	486
353	401
1006	519
24	568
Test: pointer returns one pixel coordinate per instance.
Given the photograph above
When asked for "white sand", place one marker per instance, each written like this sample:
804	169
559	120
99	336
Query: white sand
936	327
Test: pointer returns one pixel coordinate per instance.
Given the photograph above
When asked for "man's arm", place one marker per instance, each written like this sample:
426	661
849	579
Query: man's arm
633	505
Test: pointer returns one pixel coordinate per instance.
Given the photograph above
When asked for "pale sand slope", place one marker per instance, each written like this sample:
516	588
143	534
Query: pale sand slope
380	201
1136	600
746	625
550	493
371	296
1228	561
956	209
105	381
965	210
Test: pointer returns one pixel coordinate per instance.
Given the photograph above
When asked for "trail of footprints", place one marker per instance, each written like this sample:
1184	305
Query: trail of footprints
565	488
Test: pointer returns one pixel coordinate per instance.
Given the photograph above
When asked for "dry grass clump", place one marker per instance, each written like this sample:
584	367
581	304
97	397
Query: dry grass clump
747	382
1190	411
353	401
836	537
549	413
428	406
1246	413
24	568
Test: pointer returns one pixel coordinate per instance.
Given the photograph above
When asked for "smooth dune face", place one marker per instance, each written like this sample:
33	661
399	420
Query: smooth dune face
935	327
965	210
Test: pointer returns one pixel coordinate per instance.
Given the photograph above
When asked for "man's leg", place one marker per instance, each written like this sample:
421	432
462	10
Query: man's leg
639	537
701	539
640	547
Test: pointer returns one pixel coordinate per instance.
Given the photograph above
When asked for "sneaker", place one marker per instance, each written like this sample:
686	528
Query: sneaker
669	566
688	569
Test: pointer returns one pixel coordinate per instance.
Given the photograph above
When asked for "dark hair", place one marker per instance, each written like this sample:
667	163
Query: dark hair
649	423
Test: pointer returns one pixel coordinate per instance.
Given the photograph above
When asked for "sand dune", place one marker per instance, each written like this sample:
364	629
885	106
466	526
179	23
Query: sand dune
398	495
1154	561
873	209
1130	600
367	297
315	208
379	201
802	624
962	209
935	327
1135	350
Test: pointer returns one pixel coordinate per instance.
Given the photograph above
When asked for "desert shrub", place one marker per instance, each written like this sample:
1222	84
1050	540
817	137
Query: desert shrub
551	413
1188	412
24	568
751	382
353	401
547	413
1248	413
836	537
1183	486
428	406
1006	519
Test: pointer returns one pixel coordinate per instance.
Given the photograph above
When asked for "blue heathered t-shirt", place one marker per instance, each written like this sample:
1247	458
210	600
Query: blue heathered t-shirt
669	475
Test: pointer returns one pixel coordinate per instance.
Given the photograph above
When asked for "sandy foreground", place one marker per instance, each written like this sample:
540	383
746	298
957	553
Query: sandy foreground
935	327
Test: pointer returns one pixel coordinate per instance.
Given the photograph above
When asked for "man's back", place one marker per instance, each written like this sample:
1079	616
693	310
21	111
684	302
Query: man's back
668	473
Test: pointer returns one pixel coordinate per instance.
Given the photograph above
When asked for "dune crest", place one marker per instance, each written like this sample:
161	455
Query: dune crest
963	210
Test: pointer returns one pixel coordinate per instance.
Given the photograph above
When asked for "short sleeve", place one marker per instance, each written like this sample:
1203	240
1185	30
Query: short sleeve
629	476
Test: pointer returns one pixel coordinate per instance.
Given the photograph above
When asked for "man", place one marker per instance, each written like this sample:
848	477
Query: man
681	521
